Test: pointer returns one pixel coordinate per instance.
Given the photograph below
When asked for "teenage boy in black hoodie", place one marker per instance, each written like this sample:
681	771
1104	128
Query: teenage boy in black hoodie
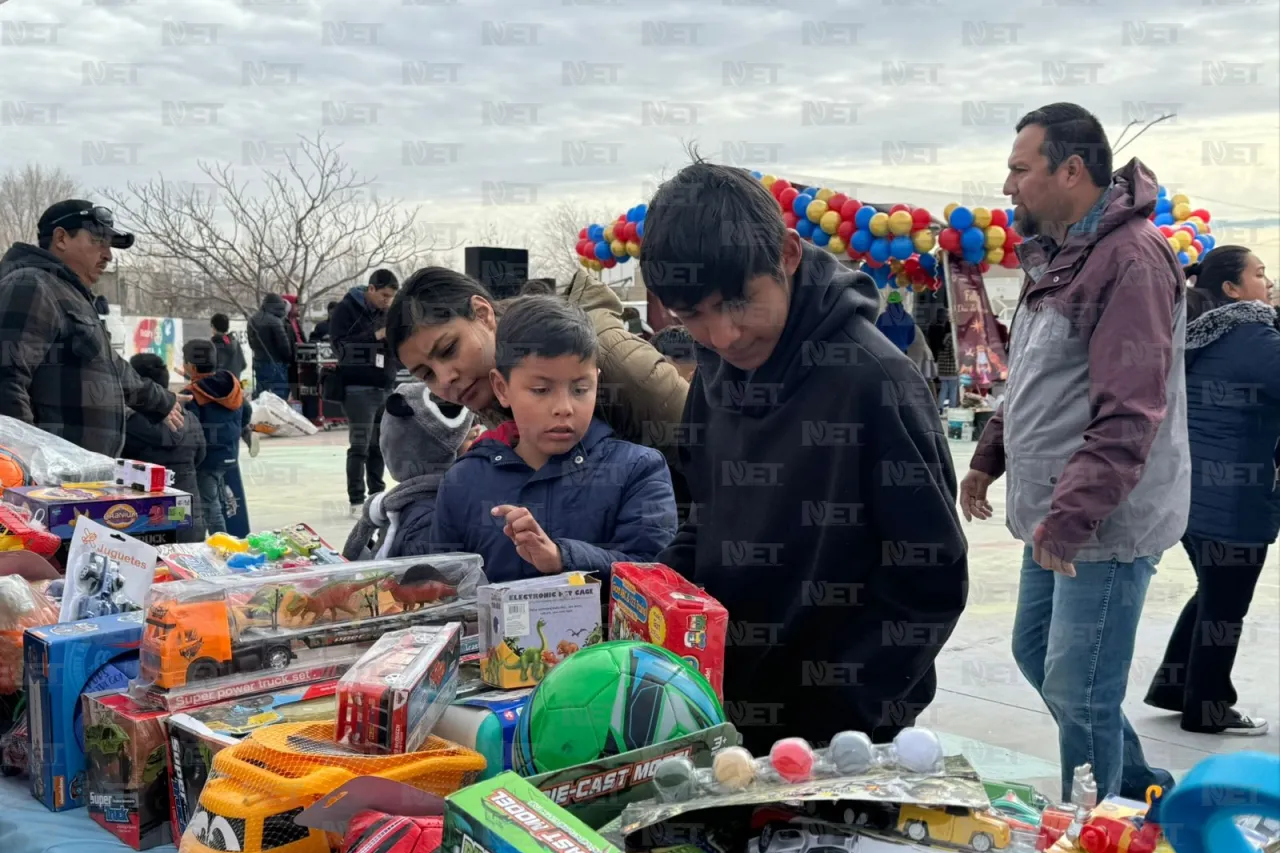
826	500
218	401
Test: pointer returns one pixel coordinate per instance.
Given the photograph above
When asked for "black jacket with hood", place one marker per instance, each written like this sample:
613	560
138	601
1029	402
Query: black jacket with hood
269	335
180	452
59	371
353	328
825	520
230	356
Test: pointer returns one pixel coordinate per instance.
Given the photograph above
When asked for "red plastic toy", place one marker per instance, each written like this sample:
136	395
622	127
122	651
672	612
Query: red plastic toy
19	533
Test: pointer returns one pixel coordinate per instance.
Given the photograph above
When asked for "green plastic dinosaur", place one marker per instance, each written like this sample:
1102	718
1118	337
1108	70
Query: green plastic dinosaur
530	662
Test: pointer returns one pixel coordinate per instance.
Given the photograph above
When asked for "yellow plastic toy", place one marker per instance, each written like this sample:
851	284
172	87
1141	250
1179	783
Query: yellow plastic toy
227	543
260	784
953	825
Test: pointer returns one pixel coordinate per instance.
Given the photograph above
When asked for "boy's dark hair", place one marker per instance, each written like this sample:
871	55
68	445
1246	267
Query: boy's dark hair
148	365
201	355
708	231
537	287
432	296
329	308
676	343
1221	264
221	323
382	279
543	326
1069	129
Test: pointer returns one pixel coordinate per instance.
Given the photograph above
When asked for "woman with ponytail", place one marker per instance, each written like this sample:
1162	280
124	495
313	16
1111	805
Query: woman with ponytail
1233	420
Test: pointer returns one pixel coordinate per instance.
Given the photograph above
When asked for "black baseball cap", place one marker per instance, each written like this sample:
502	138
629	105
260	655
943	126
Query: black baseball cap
78	213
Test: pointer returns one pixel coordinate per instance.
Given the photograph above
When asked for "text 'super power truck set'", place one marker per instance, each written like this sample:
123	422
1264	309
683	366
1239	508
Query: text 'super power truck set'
200	630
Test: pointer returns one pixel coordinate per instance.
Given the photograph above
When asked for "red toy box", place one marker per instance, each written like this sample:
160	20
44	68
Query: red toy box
395	694
653	603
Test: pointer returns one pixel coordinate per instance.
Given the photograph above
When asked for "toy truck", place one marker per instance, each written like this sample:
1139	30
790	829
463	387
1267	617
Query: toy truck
19	533
202	629
142	476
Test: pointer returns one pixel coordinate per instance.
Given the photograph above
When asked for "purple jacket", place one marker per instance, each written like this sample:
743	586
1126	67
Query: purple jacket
1093	427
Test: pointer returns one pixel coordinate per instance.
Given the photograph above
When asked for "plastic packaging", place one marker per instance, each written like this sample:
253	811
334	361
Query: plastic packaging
273	416
49	460
21	607
107	572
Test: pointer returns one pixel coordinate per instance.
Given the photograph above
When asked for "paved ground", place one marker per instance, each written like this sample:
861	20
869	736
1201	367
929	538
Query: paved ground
983	703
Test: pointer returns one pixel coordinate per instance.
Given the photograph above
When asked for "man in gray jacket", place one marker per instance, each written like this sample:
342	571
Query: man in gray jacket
1092	432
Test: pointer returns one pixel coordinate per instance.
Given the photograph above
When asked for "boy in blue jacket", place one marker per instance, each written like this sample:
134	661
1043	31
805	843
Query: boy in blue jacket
552	490
219	403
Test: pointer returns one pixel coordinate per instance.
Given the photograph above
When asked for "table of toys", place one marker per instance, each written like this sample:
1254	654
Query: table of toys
246	696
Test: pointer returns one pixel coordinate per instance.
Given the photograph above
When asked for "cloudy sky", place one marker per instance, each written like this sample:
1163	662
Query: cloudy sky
494	110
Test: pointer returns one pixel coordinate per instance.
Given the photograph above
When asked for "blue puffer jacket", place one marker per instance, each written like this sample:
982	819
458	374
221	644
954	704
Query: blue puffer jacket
1233	419
605	501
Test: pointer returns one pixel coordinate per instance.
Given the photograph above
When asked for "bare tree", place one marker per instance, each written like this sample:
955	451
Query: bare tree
25	193
312	228
552	252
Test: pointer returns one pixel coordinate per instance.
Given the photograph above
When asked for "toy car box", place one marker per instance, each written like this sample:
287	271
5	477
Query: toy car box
394	695
653	603
60	662
506	814
153	517
197	736
529	626
126	772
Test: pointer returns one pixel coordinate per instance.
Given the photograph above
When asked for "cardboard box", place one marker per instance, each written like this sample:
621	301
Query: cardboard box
194	738
529	626
653	603
60	661
144	515
486	722
506	814
126	771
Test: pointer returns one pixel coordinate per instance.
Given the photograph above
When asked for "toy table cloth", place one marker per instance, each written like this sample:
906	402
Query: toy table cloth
28	827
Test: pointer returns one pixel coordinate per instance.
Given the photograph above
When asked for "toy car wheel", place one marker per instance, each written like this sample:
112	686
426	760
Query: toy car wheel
766	836
917	830
202	670
278	657
981	842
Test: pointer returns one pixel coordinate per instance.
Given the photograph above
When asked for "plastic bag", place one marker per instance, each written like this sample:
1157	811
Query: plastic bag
274	416
43	459
21	607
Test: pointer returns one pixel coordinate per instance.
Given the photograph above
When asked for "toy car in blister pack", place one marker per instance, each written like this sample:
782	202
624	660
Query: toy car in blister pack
392	698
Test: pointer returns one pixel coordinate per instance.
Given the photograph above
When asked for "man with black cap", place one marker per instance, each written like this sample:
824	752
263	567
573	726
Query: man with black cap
58	370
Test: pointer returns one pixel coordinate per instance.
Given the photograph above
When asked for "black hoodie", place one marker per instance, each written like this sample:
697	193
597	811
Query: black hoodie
353	328
270	338
825	520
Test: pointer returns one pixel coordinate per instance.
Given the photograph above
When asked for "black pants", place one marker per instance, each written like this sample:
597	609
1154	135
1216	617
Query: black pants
1195	677
364	406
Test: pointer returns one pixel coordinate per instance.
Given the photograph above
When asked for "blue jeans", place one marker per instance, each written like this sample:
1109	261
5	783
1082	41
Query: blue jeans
1073	639
213	486
948	392
271	376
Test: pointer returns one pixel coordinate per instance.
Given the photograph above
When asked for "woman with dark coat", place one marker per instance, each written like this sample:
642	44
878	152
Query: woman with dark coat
1233	420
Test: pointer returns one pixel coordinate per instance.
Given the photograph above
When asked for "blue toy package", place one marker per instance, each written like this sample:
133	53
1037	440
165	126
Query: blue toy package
486	722
1199	815
62	662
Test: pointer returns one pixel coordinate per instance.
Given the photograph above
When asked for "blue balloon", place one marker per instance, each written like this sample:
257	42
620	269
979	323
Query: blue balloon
1163	205
595	233
804	228
862	219
928	263
879	250
1207	241
975	256
622	259
820	237
1184	258
757	175
972	237
801	205
901	248
631	215
640	228
641	210
861	240
603	251
1164	219
1161	192
961	218
1009	214
1186	223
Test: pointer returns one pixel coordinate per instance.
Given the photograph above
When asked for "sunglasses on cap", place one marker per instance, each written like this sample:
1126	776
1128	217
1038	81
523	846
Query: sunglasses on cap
103	218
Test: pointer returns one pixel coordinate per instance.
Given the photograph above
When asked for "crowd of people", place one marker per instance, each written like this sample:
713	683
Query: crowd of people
776	446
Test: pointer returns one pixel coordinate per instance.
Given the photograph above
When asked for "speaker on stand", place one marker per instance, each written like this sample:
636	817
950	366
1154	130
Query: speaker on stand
502	271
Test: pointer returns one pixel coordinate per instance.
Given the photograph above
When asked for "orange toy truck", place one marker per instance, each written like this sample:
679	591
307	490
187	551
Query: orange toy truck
201	629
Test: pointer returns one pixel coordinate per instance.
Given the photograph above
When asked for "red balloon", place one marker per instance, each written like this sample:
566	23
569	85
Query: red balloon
1166	230
984	267
911	264
837	201
1201	213
789	218
854	254
949	240
582	235
873	263
787	196
898	207
1198	246
1011	237
609	262
622	217
1010	260
919	277
920	219
846	230
999	217
779	185
935	285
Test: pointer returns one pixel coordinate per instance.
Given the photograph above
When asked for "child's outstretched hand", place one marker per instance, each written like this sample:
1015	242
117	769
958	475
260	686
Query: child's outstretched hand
532	543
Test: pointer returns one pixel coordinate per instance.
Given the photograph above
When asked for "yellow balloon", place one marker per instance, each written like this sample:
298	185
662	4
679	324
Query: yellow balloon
583	260
879	224
1198	223
824	194
1179	199
633	248
619	248
608	234
917	286
1192	253
768	180
1181	211
923	241
995	256
902	279
995	237
815	210
596	265
900	223
981	217
837	246
946	211
830	222
1182	238
1173	244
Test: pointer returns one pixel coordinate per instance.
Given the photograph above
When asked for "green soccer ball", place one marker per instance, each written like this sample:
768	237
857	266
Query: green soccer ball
607	699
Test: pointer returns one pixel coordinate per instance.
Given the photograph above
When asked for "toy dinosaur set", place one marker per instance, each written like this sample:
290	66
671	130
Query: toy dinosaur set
529	626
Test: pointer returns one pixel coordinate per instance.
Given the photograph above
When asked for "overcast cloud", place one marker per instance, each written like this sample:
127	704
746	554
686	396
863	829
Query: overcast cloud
494	109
